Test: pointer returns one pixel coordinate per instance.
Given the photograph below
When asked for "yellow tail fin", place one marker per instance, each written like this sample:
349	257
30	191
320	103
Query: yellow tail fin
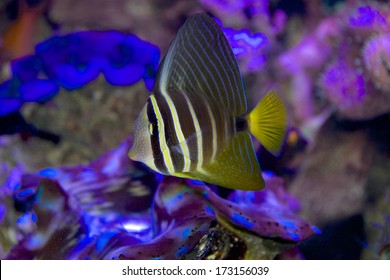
268	122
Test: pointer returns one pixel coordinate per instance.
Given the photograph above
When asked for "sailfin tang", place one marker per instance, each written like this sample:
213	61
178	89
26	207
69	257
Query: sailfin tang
191	143
236	167
201	61
268	122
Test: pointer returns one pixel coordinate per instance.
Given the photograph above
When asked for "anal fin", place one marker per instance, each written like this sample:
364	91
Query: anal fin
235	168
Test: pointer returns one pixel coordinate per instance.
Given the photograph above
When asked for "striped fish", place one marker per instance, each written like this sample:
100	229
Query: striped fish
194	124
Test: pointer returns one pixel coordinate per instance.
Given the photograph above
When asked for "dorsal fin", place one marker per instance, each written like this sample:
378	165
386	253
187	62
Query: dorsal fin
201	61
236	167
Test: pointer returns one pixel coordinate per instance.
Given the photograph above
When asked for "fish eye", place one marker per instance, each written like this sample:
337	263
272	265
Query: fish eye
153	127
150	127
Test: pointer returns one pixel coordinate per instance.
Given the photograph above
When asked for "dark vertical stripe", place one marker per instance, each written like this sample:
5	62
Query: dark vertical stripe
199	104
154	140
170	134
187	125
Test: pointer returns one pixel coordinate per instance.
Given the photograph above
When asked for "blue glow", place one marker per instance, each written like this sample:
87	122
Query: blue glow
159	177
366	17
255	41
111	166
238	50
20	219
16	186
34	217
173	199
186	233
25	193
288	224
269	173
209	210
26	68
242	220
9	105
24	220
3	210
104	239
72	78
124	76
136	226
48	172
294	236
182	251
38	90
316	229
196	182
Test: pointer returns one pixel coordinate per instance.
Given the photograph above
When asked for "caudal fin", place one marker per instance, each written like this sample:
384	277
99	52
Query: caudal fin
268	122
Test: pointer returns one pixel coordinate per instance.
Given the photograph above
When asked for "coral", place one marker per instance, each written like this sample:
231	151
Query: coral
73	60
329	60
334	170
303	62
248	48
343	86
345	60
360	85
110	209
376	54
251	32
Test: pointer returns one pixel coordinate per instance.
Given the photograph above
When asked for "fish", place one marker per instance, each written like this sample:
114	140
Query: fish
18	39
195	124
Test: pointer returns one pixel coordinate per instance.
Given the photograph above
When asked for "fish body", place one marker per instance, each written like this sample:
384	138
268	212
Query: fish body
194	123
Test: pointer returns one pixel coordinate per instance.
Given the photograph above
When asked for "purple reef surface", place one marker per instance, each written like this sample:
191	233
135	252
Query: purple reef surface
113	208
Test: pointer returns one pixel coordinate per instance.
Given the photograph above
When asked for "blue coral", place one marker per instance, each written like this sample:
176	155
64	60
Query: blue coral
73	60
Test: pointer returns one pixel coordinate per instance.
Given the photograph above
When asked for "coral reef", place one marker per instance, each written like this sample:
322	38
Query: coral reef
71	61
104	210
88	76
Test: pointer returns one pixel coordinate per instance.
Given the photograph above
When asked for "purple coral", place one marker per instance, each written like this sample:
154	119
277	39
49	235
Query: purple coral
110	209
368	17
376	54
248	47
343	85
357	80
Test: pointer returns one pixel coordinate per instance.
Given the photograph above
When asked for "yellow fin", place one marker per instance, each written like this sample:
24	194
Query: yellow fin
268	122
235	168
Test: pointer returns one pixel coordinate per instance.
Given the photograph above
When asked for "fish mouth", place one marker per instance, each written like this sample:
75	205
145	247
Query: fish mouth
132	153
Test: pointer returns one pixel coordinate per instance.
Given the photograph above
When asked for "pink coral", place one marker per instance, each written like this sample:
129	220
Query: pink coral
343	85
376	54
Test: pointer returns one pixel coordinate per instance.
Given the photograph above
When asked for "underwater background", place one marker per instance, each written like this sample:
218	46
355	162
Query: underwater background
74	75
